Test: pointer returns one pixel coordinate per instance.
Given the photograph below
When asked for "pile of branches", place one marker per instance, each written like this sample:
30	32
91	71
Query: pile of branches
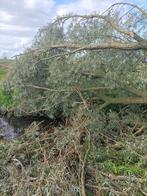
76	159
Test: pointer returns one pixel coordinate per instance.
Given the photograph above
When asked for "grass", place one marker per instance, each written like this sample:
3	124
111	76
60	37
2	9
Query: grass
6	62
3	73
6	99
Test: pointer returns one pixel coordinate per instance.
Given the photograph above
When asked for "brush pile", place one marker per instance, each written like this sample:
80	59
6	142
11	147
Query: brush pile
105	155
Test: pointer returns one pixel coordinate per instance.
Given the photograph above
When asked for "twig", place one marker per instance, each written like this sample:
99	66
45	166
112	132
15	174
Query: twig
140	131
72	89
132	5
83	192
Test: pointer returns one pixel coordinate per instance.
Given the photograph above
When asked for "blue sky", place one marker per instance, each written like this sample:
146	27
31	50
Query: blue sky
140	2
21	19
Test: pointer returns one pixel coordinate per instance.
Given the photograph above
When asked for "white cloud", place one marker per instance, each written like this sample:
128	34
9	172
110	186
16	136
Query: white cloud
9	27
30	3
5	16
10	46
84	6
39	4
20	19
19	22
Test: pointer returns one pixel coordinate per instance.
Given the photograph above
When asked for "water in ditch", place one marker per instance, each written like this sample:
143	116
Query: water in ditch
12	128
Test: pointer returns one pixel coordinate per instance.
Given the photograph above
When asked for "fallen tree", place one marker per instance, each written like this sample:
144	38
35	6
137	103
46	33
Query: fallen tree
68	72
100	56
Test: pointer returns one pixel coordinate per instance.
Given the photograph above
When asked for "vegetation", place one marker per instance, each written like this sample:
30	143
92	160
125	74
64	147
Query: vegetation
6	98
98	57
2	73
4	64
89	72
77	159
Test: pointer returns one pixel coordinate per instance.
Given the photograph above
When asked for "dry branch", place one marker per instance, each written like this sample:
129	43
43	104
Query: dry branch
112	45
72	89
127	100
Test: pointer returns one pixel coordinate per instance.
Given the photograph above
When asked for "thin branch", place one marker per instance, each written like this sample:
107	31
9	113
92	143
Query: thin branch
103	17
72	89
144	13
107	18
83	165
125	101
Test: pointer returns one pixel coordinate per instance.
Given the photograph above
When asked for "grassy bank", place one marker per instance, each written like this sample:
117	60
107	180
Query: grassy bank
6	99
3	73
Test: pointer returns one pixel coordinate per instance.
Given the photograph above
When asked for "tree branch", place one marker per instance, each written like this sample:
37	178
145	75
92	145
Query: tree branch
103	17
72	89
112	45
144	13
138	38
107	18
125	101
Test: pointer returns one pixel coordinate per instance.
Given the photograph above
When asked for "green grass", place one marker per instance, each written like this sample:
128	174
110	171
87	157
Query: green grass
6	62
123	168
6	100
4	66
3	73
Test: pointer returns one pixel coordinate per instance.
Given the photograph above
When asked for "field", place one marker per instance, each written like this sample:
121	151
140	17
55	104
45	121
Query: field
5	65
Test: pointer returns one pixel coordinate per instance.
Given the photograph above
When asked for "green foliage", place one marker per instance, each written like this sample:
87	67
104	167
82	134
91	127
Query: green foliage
6	62
3	73
123	169
6	100
61	75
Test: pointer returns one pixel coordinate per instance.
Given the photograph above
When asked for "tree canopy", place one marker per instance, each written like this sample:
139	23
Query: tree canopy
97	58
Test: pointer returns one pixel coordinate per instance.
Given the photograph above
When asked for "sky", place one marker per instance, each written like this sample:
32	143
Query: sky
21	19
